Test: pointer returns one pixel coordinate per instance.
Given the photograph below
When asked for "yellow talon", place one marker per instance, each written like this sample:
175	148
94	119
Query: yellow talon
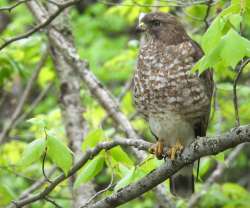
157	149
177	148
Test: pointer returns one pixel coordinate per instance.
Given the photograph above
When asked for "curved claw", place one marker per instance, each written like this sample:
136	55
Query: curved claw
174	150
157	149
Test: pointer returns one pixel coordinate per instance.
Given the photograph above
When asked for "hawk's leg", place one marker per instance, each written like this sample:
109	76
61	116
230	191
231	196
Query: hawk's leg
174	150
157	149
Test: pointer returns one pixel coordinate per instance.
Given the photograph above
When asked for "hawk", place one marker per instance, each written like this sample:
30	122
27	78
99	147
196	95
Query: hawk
174	101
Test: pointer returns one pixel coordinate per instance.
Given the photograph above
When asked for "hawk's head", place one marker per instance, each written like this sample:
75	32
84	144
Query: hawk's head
162	26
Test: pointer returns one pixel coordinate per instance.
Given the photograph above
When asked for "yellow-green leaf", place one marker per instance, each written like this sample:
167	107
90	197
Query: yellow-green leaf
120	156
92	138
60	154
90	170
32	152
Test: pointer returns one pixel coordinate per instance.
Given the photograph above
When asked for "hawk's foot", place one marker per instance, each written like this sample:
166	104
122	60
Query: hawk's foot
174	150
157	149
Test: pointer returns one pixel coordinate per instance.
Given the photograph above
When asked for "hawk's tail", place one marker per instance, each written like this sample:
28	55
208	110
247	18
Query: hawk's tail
182	182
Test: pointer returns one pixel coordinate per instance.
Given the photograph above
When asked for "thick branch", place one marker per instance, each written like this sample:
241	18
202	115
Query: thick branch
199	148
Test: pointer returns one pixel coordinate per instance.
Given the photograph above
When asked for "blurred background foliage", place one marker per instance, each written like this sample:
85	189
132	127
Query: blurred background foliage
105	36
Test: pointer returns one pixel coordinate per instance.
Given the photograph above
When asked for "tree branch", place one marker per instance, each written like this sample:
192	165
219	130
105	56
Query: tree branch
199	148
46	22
235	98
89	154
10	8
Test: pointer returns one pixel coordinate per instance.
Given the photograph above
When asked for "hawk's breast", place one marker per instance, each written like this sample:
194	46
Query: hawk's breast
163	82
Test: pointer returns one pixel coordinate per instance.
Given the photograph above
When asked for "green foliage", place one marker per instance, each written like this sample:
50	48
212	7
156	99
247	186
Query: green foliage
33	152
90	170
93	138
128	175
221	37
59	154
120	156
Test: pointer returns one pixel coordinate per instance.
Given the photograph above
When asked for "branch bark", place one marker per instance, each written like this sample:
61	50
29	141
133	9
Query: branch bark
199	148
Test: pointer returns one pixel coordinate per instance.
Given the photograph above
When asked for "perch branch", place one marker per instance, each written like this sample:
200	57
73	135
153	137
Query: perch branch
199	148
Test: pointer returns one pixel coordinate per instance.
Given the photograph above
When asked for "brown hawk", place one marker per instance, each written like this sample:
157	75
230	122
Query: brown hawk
175	102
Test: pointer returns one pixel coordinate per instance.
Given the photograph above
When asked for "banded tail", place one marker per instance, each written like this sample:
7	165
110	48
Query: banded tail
182	182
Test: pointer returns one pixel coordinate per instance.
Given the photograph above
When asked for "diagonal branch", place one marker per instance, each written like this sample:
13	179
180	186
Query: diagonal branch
199	148
46	22
10	8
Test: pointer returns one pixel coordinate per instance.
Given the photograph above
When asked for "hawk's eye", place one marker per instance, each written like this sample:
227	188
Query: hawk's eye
156	23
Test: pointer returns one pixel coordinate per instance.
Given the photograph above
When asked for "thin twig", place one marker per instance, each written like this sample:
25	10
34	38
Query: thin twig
169	3
235	97
10	8
101	191
24	96
52	202
44	158
61	7
209	4
7	169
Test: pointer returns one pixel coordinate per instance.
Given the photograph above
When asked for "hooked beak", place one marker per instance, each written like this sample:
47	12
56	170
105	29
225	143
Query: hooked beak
141	27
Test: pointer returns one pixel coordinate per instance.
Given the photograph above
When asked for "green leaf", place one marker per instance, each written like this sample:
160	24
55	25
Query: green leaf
92	138
213	35
149	165
33	152
230	50
127	179
120	156
90	170
60	154
235	48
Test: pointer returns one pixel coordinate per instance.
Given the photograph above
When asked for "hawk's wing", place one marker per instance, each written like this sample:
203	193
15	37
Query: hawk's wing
207	78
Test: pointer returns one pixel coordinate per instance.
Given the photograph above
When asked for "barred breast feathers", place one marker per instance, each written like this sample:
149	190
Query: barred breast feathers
162	80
